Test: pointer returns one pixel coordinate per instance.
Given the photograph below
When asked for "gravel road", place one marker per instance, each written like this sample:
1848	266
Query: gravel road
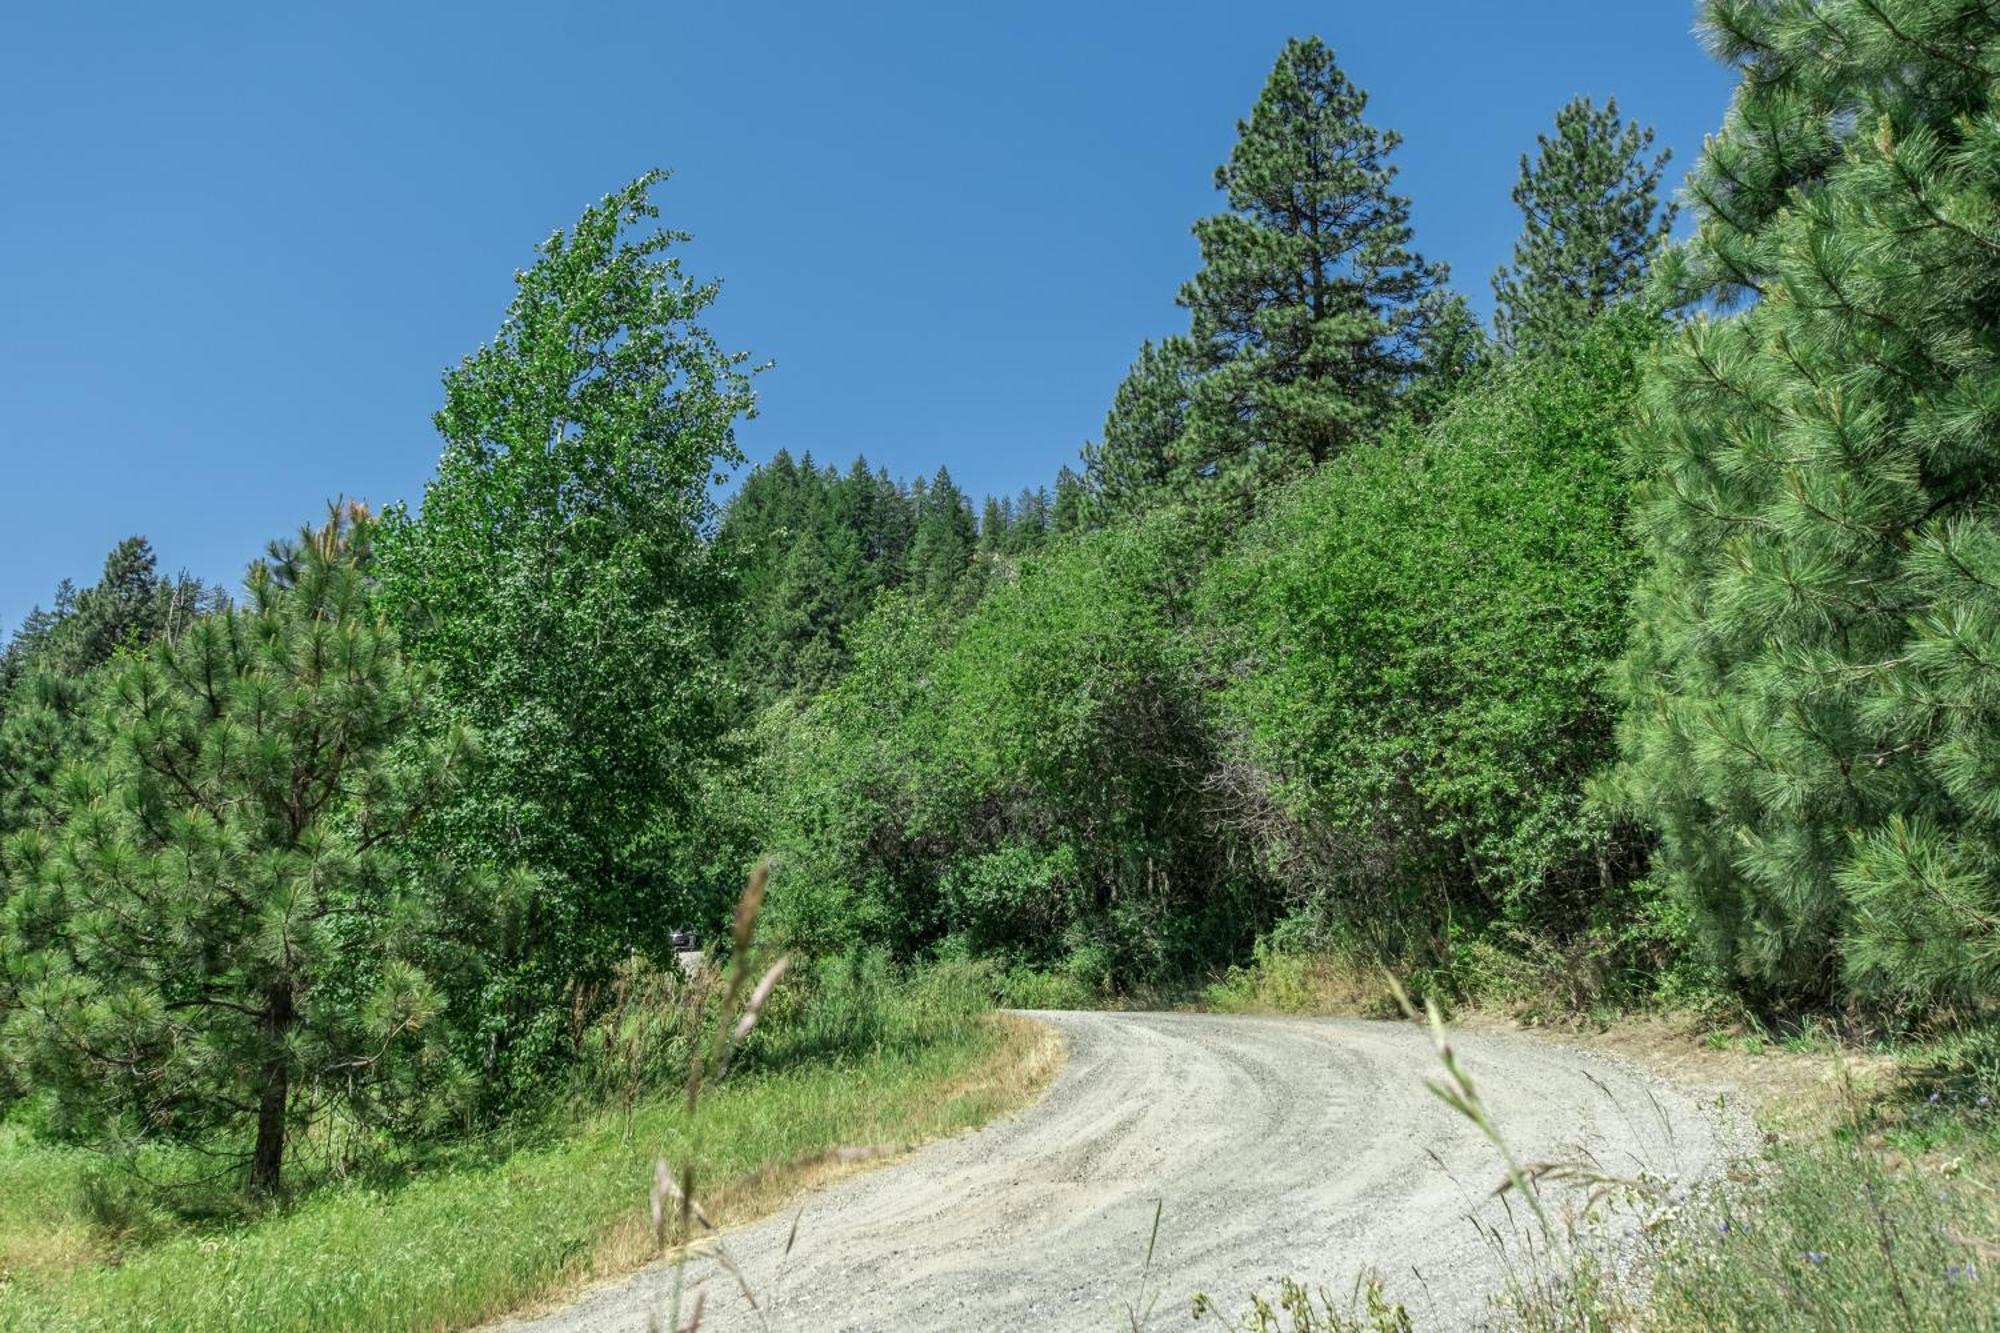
1276	1146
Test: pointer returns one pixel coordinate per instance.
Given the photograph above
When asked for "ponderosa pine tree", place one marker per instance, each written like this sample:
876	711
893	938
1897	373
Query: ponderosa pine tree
1592	222
215	932
560	579
1308	315
1814	680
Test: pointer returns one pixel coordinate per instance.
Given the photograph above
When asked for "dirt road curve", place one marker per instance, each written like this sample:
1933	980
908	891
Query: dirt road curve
1279	1146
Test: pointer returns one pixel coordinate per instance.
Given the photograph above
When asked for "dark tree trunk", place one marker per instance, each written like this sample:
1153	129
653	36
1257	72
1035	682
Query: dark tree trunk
267	1158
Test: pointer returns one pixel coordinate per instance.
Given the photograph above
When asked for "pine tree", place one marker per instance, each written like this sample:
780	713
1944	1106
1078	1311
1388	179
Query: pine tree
44	670
893	529
1814	680
807	613
1455	353
214	933
1592	223
1308	314
1132	467
1031	521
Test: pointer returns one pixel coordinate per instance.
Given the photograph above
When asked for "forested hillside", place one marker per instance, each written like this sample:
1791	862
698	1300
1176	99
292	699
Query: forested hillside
1646	645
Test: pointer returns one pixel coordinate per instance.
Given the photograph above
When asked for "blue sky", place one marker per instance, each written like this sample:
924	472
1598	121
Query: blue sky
239	243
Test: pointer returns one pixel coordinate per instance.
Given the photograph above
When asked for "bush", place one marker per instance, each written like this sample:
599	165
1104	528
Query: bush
1031	782
1414	648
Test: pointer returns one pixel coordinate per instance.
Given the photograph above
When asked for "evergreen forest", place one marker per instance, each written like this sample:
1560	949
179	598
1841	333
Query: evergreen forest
1637	649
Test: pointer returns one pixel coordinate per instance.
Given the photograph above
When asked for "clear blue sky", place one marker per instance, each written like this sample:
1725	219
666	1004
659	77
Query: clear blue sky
238	243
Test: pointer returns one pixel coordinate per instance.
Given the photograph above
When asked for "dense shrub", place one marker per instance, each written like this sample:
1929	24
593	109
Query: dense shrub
1033	781
1414	651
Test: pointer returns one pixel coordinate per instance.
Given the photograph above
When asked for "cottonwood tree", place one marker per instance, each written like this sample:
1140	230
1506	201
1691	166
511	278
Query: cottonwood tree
1592	222
1814	681
216	932
559	579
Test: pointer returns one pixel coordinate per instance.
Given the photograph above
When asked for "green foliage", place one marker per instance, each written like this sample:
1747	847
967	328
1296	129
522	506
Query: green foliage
1021	781
1813	689
43	668
1416	643
1070	511
1309	314
215	935
941	551
1592	222
1133	466
811	549
1832	1238
559	581
1302	1309
896	1057
127	608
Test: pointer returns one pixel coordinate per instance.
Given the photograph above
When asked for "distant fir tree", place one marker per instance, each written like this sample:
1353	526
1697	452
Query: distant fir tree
1455	352
1309	313
943	543
1813	684
1070	511
1132	466
993	522
813	547
810	609
1592	222
892	529
46	666
1030	527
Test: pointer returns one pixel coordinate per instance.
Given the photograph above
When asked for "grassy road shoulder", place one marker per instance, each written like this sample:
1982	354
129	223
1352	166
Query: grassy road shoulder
457	1246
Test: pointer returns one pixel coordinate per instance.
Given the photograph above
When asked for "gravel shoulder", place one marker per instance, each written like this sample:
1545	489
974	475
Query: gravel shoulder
1271	1146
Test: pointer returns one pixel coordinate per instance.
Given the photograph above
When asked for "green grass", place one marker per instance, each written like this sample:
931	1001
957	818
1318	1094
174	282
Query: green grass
43	1231
453	1245
1833	1239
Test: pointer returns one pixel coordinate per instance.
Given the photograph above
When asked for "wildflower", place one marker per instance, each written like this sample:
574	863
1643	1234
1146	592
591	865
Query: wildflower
1814	1257
1984	1099
1932	1099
